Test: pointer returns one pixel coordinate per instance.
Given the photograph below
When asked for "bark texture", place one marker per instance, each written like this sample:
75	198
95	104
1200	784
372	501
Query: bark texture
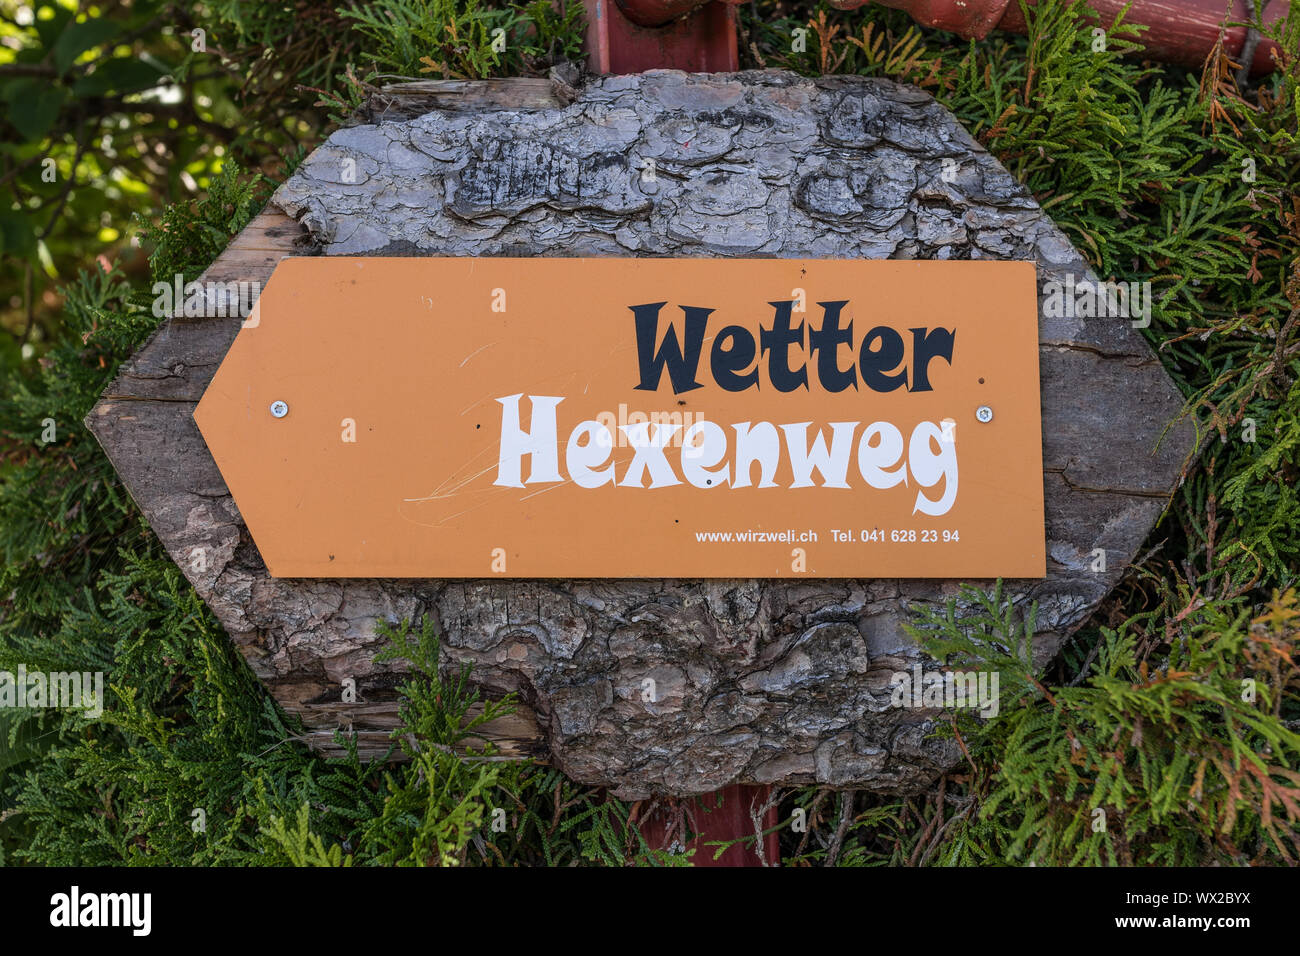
756	681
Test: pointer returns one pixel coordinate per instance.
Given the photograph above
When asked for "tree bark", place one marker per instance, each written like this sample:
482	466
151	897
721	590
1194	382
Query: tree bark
759	681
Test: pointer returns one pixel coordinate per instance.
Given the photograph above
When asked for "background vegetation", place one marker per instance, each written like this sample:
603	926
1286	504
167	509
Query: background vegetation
164	142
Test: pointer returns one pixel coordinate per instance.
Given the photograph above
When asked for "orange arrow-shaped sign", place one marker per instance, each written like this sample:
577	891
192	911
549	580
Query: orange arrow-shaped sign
636	418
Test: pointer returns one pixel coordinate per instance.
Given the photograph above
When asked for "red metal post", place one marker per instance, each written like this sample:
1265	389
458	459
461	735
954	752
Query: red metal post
722	817
668	34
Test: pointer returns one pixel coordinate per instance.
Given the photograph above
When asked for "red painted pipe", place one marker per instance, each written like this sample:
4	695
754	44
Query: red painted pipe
1181	31
969	18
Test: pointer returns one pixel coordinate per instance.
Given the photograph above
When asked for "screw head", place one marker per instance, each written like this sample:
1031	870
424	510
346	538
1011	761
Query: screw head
984	413
279	409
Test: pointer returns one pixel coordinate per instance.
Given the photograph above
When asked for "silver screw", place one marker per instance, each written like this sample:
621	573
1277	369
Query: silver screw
279	409
984	413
